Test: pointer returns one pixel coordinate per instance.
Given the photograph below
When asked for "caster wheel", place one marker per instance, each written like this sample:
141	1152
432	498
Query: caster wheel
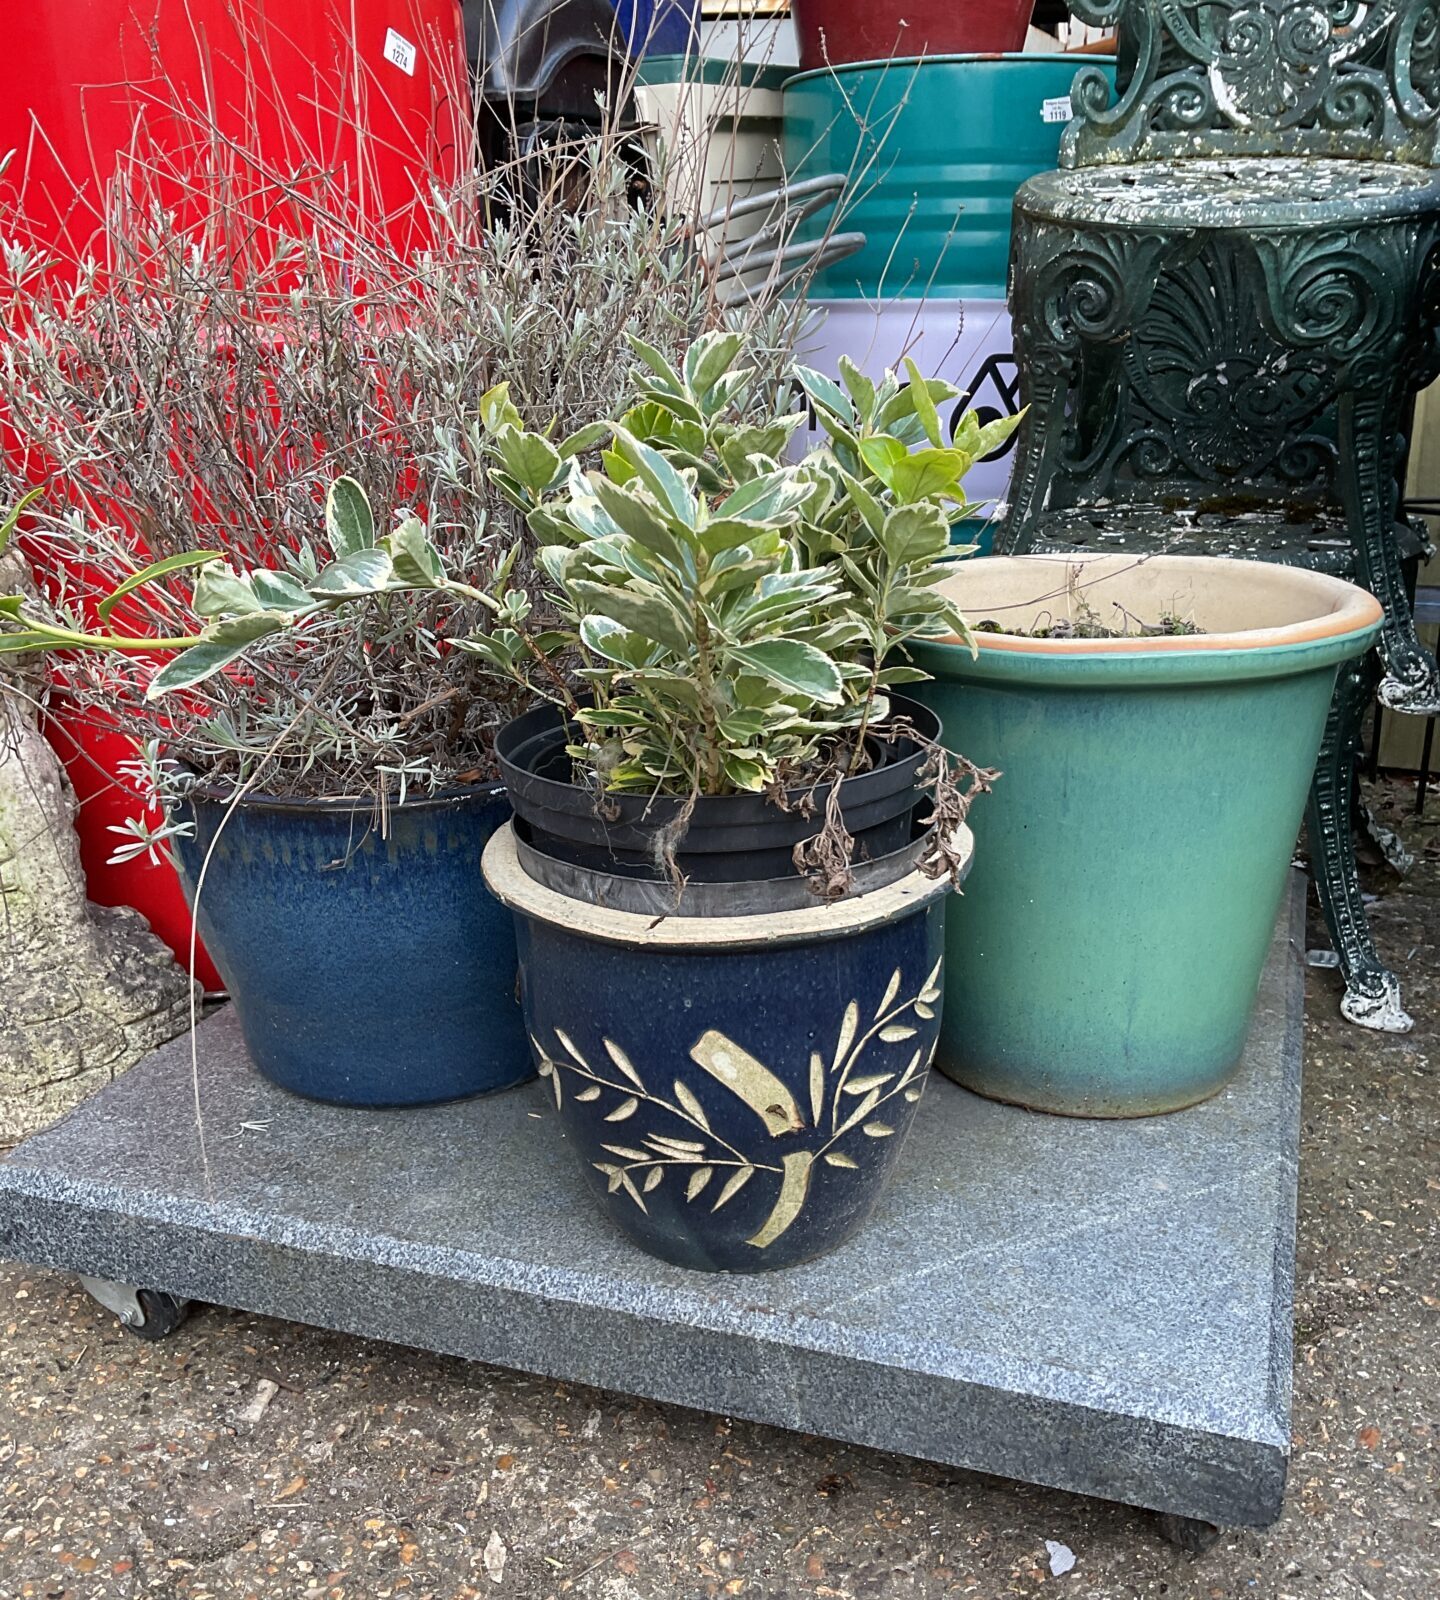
147	1313
1189	1533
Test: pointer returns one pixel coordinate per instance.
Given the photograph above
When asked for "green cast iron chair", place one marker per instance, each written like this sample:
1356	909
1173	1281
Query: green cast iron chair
1224	304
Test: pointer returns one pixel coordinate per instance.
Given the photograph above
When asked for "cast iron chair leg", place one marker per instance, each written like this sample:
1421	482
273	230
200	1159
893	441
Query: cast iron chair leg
1372	991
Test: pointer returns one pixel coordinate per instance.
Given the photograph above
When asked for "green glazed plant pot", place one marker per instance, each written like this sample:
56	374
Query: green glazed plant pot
1104	958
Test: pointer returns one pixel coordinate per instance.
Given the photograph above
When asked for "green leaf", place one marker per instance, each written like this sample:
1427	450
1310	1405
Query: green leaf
916	534
993	434
773	497
825	394
361	572
13	643
584	439
220	591
12	519
192	666
10	604
709	358
497	411
416	561
659	477
924	405
607	638
792	665
746	773
276	591
529	458
247	629
636	613
861	390
156	569
640	521
882	455
929	472
349	522
657	363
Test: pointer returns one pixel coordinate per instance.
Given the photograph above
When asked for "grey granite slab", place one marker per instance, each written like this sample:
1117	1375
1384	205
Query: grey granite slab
1099	1307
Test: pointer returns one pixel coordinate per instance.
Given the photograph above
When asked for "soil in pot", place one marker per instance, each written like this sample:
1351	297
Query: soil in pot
365	970
738	1089
728	839
1105	956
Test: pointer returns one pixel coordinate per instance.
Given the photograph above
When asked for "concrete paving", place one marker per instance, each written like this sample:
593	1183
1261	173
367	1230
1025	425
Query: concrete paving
247	1457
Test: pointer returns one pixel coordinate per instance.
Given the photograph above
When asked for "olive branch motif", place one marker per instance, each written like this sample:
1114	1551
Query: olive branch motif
840	1097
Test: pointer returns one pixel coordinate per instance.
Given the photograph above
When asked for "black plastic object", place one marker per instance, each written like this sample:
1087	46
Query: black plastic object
730	838
614	891
541	53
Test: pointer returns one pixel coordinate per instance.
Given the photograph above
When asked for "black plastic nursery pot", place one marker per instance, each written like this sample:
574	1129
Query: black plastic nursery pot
729	838
367	966
738	1088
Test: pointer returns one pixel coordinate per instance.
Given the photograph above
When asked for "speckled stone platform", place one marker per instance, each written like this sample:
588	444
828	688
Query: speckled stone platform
1099	1307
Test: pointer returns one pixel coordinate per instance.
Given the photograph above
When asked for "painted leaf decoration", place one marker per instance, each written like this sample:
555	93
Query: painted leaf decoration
751	1080
733	1185
865	1085
848	1024
877	1130
817	1086
912	1095
794	1187
569	1045
697	1182
592	1093
652	1178
910	1070
923	1010
615	1180
555	1085
930	996
837	1158
692	1107
633	1192
891	990
684	1147
621	1060
896	1032
626	1108
627	1154
863	1110
545	1068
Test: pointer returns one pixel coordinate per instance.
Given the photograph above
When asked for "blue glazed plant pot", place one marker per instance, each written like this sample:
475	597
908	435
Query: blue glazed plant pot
1105	957
737	1088
365	971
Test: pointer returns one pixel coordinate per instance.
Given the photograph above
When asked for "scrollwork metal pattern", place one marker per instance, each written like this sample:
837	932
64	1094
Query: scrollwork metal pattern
1356	78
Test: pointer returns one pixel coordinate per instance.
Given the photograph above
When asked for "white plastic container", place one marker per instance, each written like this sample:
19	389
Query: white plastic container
966	342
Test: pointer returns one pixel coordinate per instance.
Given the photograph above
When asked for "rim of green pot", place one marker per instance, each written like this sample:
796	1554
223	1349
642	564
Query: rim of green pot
514	887
1077	58
1341	623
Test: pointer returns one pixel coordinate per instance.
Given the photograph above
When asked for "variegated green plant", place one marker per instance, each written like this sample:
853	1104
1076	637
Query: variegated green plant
719	618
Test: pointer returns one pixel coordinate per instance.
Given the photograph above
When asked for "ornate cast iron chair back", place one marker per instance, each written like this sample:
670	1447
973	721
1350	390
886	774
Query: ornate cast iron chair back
1339	78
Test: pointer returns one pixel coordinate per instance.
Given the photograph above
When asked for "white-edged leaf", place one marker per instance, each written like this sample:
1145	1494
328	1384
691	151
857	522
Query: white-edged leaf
192	666
792	664
361	572
349	522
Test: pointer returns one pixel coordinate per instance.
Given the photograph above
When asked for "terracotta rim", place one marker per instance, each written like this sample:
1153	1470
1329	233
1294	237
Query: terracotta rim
1355	610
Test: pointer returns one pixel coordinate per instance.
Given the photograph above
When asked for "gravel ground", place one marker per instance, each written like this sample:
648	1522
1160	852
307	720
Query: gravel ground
247	1457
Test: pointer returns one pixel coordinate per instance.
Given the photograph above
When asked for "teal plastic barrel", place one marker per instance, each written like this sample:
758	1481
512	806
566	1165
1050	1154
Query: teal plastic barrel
935	150
1105	955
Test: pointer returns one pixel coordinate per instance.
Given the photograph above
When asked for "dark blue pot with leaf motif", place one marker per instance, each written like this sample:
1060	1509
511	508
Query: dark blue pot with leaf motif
367	965
737	1087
